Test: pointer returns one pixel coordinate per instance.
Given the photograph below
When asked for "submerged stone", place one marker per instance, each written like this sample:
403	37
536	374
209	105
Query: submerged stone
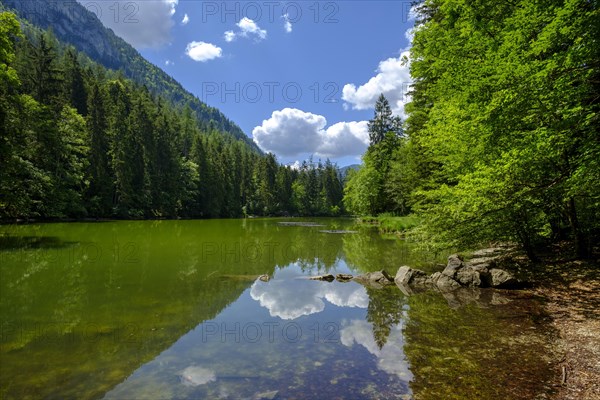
271	395
196	376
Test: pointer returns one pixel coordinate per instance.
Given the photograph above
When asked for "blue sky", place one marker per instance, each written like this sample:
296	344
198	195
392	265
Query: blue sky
300	77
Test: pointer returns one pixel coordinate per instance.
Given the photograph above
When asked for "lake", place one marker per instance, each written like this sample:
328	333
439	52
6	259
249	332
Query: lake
175	310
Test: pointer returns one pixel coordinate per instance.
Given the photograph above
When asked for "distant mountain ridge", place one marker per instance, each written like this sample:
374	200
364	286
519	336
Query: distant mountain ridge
66	19
345	170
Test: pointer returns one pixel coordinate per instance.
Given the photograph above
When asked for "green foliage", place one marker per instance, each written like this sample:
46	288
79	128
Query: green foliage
506	114
9	30
317	189
383	122
70	180
361	190
405	175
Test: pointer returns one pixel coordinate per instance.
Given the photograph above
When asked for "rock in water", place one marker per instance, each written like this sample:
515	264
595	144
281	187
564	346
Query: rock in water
380	277
445	283
196	376
410	276
403	275
328	278
343	277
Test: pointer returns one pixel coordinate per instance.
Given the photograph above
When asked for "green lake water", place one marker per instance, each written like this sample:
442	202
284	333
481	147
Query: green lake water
174	310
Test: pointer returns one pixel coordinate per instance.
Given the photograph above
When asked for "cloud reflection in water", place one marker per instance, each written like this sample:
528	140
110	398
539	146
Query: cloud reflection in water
289	298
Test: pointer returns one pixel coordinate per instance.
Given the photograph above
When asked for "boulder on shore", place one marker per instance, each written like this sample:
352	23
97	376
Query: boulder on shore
470	277
481	273
455	263
500	278
444	283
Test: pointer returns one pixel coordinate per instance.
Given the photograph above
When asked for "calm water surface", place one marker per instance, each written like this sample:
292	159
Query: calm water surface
174	310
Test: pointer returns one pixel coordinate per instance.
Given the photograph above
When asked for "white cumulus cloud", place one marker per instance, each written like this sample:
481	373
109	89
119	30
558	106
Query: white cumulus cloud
229	36
287	25
291	132
202	51
344	138
295	165
392	79
143	24
247	28
173	5
185	20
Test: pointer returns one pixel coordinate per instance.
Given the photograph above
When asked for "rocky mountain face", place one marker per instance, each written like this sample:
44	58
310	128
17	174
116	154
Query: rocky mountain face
66	19
74	24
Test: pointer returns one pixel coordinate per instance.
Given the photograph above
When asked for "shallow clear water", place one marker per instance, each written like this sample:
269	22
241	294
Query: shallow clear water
174	309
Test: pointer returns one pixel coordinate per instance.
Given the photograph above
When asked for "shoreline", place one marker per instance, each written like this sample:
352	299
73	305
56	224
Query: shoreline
571	289
573	305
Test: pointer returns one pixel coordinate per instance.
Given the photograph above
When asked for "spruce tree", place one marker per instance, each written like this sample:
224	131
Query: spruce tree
383	122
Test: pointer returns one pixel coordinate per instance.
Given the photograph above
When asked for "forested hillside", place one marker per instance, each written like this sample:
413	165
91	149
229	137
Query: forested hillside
78	140
502	139
73	24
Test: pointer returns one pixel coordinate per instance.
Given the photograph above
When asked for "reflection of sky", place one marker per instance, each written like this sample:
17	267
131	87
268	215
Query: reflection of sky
226	364
391	358
288	298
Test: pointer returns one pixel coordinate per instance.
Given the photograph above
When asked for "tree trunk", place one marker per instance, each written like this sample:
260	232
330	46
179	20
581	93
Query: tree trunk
579	239
525	240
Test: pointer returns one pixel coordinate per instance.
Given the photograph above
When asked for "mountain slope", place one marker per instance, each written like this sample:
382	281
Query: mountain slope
345	170
66	19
